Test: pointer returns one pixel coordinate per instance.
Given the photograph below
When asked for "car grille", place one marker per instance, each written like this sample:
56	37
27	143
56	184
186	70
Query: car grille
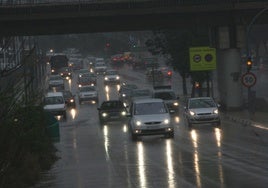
204	114
152	123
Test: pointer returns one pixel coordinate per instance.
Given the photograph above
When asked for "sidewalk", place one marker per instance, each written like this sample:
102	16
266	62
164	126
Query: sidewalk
259	119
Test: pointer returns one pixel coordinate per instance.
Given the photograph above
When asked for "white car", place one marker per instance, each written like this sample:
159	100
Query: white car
150	117
202	110
55	104
56	81
100	67
88	93
111	77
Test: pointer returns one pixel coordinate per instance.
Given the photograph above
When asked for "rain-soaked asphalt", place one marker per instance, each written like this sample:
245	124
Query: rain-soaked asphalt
95	156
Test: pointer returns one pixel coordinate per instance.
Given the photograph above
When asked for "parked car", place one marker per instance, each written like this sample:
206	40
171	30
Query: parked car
56	81
112	110
88	93
167	94
149	117
55	104
69	98
111	77
202	110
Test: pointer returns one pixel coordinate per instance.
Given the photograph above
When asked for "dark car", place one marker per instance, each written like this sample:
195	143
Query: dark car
112	110
167	94
69	98
66	72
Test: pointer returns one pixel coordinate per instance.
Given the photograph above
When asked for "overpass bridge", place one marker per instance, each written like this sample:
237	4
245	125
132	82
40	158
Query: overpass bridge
47	17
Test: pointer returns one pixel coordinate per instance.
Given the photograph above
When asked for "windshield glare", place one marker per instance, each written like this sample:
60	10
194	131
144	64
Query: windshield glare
150	108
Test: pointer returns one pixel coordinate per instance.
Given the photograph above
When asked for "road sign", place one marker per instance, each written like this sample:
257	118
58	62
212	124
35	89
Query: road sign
202	58
248	79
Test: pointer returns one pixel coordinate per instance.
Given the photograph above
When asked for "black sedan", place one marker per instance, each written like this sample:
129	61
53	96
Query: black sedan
69	98
112	110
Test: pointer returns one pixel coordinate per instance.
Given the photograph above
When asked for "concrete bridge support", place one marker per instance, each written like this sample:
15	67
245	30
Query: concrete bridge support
230	42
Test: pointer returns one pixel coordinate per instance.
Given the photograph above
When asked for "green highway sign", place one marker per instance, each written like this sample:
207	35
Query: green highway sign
202	58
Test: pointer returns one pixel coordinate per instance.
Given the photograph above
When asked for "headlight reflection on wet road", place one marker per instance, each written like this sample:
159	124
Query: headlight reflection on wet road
106	141
107	89
194	137
218	139
141	165
170	169
73	113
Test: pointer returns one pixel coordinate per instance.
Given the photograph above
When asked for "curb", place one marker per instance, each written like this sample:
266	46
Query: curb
245	122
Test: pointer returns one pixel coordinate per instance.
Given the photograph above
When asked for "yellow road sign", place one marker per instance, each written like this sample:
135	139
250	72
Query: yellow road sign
202	58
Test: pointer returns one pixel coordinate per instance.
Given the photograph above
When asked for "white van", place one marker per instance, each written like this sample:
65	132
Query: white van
55	104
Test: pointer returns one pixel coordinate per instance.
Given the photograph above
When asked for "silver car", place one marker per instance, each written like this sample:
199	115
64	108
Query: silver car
150	117
88	93
202	110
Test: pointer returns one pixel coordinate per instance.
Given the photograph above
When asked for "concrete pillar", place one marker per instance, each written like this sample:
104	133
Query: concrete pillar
229	78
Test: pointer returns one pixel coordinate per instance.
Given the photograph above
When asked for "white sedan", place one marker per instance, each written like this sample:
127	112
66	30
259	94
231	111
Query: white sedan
150	117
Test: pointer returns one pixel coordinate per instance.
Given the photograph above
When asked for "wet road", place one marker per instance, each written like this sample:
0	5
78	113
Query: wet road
92	155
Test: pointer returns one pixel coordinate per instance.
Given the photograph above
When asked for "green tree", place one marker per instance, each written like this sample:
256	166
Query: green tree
176	43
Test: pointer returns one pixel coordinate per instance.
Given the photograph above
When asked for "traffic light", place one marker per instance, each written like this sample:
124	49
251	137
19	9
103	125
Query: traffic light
249	64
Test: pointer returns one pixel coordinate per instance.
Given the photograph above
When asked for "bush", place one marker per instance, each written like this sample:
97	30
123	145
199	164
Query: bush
25	146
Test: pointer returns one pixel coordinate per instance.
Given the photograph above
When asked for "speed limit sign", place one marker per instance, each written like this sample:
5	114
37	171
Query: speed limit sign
248	79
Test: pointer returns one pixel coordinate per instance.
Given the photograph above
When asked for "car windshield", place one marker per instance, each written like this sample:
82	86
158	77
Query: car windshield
65	69
150	108
201	103
53	100
111	73
83	89
85	79
55	78
99	64
112	105
165	95
140	93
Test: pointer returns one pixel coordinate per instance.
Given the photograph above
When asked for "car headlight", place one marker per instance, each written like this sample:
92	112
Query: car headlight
191	113
138	123
166	121
80	75
117	77
123	95
176	104
104	114
61	74
71	100
69	73
123	113
105	78
79	85
216	111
